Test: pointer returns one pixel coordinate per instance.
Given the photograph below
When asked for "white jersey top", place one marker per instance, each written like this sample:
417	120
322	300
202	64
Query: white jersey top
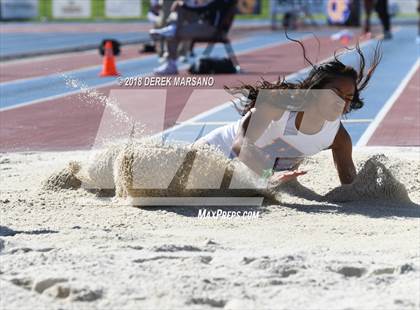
281	137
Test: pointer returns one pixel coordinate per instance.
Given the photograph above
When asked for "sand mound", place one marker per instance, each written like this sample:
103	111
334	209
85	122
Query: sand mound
373	182
96	174
64	179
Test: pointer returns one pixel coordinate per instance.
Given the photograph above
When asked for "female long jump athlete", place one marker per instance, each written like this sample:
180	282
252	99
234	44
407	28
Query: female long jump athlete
286	133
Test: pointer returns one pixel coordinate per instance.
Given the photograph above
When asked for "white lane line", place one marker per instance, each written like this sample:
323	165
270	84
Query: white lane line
364	139
356	120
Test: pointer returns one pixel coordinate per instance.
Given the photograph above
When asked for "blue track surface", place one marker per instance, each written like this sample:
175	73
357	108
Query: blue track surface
399	56
11	43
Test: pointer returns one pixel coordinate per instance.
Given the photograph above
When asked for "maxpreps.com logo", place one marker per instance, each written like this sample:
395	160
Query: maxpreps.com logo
223	214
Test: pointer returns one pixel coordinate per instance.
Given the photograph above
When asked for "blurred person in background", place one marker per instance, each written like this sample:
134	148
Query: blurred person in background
162	10
381	7
189	19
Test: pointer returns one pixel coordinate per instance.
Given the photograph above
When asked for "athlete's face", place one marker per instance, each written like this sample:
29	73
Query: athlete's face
344	88
335	99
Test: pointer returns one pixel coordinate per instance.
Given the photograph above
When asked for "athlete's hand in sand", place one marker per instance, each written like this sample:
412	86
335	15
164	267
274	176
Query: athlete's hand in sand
281	177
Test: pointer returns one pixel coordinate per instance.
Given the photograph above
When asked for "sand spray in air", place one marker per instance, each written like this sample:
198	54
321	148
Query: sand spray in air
91	95
97	172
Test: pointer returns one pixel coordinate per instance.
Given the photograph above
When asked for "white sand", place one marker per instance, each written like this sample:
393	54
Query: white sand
73	250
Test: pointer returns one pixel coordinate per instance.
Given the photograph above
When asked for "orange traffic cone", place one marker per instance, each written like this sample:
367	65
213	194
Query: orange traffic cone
109	68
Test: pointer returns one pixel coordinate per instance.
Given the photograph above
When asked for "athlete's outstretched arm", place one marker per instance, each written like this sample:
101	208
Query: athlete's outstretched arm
342	153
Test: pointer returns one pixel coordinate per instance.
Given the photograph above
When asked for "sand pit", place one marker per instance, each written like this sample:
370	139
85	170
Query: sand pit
71	249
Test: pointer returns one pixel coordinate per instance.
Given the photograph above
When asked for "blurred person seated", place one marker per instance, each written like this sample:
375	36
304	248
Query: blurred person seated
158	14
189	20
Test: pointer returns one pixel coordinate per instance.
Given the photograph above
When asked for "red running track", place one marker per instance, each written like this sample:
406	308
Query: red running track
401	125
